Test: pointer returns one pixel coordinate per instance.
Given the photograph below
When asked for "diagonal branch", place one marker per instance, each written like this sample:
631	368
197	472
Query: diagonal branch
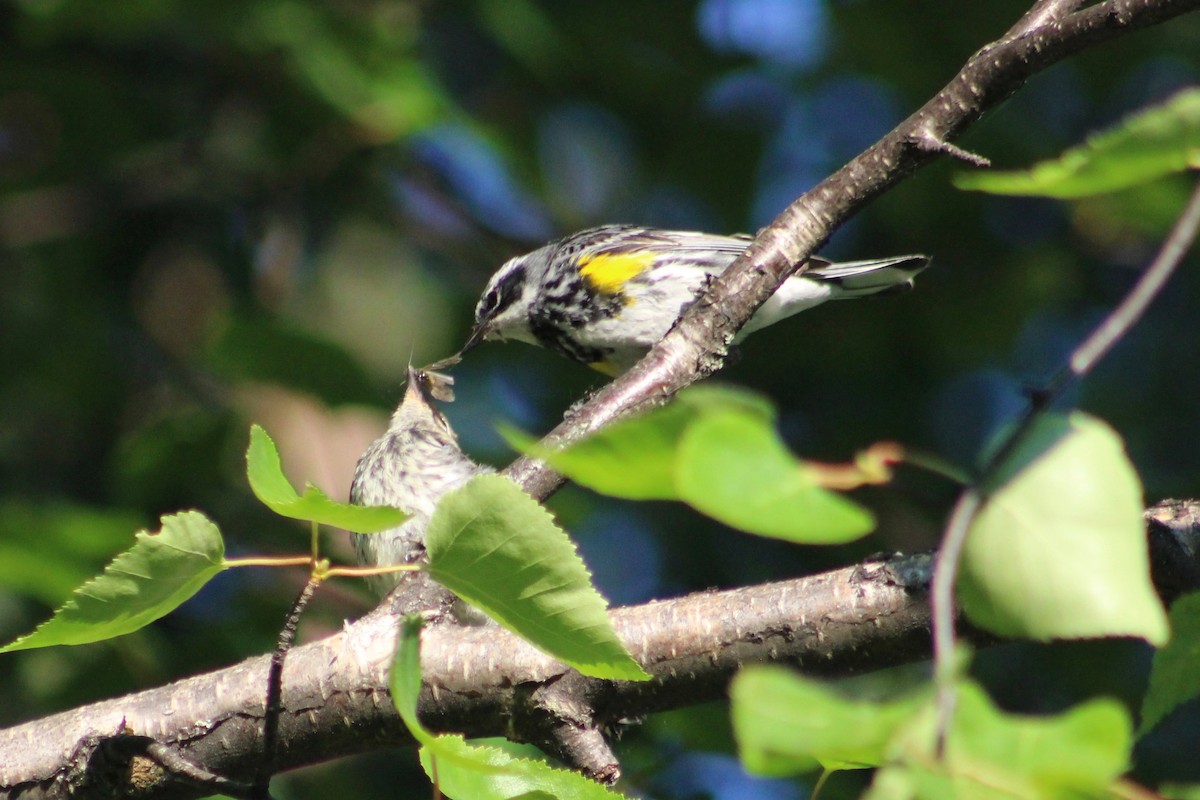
1048	33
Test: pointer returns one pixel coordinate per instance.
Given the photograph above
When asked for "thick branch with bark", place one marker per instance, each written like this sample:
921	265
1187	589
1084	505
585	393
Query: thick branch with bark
478	680
483	681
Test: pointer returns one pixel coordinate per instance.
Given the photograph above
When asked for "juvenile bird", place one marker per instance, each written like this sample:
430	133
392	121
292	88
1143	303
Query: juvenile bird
604	296
410	467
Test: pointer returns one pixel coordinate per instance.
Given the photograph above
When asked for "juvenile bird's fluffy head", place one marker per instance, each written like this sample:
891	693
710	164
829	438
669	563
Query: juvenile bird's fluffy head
409	467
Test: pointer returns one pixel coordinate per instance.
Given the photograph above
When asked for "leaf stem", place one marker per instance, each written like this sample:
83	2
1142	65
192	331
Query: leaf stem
936	465
269	561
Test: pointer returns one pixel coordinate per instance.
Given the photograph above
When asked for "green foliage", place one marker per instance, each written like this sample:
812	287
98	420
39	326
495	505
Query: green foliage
786	723
1174	678
991	754
494	546
1081	750
636	458
47	550
733	467
404	682
716	449
1158	141
471	772
356	70
1059	548
355	66
272	487
144	583
494	774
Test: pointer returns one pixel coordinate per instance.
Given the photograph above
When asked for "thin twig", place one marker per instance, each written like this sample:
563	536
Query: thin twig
945	573
270	735
1134	305
1081	361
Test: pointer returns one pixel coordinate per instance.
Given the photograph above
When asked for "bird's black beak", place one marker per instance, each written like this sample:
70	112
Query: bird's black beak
478	334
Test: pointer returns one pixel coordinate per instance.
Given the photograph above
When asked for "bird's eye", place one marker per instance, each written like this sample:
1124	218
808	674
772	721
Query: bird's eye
505	291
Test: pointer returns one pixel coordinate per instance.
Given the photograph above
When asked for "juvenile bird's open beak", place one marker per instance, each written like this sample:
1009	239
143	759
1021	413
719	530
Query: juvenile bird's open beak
424	387
417	389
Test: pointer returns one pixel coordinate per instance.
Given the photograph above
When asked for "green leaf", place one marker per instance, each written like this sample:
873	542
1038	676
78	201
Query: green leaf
1059	548
716	449
275	491
404	680
992	754
469	771
786	723
144	583
636	458
1175	674
494	546
509	777
1155	142
733	467
711	397
1084	749
633	459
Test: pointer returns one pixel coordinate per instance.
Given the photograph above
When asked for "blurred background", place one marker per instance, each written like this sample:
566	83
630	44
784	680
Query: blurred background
219	213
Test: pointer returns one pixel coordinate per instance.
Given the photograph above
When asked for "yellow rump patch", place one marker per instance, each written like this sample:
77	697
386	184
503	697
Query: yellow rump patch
610	272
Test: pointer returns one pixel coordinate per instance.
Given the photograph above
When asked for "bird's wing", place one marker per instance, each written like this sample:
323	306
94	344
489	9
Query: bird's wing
630	240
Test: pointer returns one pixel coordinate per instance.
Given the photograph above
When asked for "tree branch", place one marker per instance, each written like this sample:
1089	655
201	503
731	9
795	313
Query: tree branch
1049	32
482	681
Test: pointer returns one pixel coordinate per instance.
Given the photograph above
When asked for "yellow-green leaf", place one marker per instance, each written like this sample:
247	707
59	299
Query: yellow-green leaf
146	582
1158	141
494	546
1058	550
269	484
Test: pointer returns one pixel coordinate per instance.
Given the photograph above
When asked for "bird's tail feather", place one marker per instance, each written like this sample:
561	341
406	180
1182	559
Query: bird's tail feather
862	278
